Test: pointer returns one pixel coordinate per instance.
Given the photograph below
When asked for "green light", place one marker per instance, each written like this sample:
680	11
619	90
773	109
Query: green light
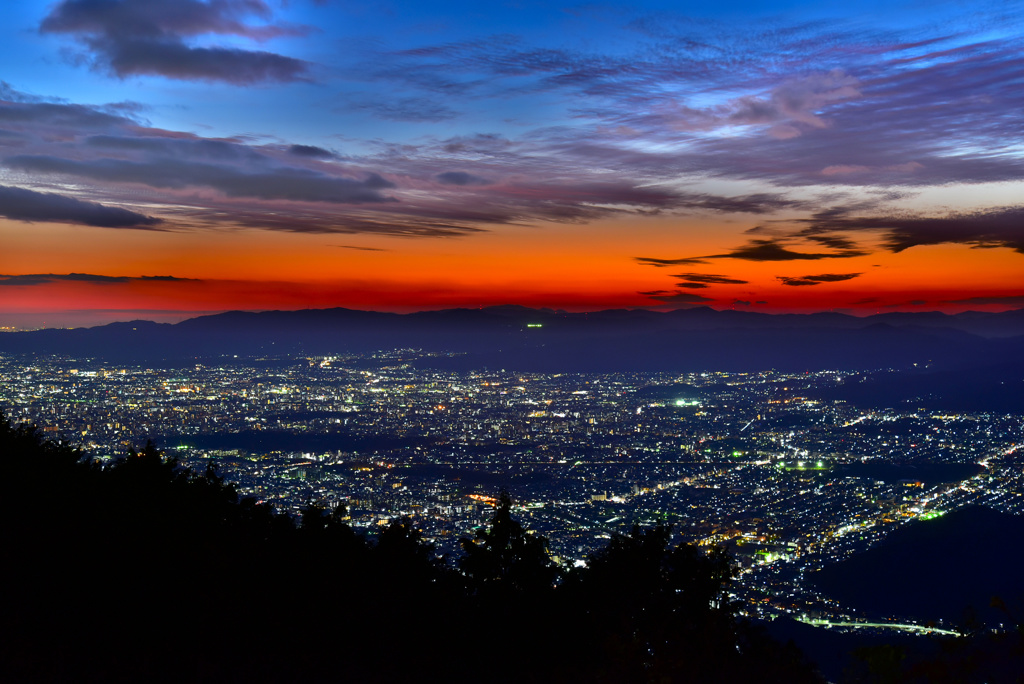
534	325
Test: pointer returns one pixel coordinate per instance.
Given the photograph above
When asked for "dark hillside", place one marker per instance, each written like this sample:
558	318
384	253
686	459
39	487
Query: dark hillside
935	569
142	571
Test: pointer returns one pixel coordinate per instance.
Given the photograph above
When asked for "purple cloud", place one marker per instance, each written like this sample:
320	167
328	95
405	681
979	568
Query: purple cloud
310	151
461	178
147	37
20	204
281	183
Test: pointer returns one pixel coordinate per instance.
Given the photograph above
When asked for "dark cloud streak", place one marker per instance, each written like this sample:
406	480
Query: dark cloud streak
461	178
808	280
755	250
20	204
709	278
33	279
147	37
996	227
285	183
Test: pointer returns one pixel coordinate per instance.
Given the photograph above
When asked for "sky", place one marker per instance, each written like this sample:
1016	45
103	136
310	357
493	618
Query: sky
162	159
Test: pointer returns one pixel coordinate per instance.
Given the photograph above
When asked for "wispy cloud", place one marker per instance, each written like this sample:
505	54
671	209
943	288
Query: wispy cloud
807	280
405	109
709	278
755	250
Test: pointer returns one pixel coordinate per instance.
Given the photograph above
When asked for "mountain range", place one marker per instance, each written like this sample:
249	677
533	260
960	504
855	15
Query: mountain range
519	338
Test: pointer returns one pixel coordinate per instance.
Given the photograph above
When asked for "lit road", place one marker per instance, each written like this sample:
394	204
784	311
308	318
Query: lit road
919	629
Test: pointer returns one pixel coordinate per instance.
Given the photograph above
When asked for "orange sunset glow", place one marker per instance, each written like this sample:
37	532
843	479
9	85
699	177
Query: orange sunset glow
873	170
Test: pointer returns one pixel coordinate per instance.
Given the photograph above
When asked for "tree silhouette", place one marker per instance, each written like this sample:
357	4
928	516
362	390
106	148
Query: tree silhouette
143	570
505	558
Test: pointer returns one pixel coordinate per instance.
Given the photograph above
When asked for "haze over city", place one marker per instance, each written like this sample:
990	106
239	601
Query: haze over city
167	159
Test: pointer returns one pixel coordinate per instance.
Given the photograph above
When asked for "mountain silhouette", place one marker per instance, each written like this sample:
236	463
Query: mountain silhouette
526	339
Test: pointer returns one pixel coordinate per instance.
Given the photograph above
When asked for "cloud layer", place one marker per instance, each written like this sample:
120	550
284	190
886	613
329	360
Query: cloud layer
749	145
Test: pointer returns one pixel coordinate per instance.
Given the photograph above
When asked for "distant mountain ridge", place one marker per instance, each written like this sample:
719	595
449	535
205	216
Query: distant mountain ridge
521	338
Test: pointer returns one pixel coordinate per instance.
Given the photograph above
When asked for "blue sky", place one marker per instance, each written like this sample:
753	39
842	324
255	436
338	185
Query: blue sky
740	136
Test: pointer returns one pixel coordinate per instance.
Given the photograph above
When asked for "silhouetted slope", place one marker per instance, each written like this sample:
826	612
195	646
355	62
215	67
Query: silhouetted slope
981	386
143	571
936	568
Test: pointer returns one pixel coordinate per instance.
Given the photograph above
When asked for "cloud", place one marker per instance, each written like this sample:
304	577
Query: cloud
709	278
817	279
148	37
678	297
179	147
771	250
758	203
461	178
798	100
45	278
833	241
755	250
1002	300
302	220
20	204
767	106
120	154
70	116
662	263
310	151
763	100
996	227
363	249
288	183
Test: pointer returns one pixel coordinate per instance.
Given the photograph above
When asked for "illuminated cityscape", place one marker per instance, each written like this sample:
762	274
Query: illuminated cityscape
788	479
